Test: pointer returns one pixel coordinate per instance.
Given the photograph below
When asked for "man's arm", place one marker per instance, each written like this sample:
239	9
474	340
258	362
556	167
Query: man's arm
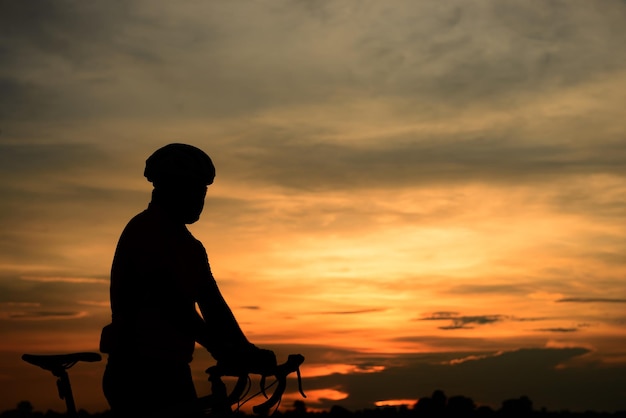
221	335
217	329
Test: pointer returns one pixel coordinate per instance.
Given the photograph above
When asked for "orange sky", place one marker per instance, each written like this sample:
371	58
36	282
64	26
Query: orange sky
406	191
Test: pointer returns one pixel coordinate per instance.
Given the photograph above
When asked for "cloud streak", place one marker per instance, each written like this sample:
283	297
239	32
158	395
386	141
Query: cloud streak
591	300
45	279
44	315
462	322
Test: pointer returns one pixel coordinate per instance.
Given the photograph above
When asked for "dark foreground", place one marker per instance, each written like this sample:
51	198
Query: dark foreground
436	406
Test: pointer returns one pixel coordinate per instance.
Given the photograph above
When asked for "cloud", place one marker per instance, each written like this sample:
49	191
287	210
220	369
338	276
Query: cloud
352	312
51	295
491	288
462	322
450	58
20	304
458	321
46	279
97	303
563	330
60	55
33	160
318	166
43	315
591	300
205	64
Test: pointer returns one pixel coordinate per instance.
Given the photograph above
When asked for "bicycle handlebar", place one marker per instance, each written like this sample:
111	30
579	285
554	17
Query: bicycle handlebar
280	372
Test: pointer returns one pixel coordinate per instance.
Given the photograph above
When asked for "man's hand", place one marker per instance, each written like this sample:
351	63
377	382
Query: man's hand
248	359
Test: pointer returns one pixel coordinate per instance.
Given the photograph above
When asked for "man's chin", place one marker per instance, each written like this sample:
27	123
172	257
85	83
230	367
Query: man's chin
192	219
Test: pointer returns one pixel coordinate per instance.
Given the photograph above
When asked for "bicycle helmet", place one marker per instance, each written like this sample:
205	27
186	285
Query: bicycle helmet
179	162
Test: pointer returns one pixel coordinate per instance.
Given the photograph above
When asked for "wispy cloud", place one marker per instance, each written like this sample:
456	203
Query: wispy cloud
20	304
98	303
462	322
562	330
591	300
47	279
44	315
458	321
352	312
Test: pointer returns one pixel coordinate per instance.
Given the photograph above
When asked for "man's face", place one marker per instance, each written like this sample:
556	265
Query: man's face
184	198
190	202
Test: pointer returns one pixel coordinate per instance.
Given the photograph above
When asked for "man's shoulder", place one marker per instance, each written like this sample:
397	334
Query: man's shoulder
193	240
143	227
140	221
150	224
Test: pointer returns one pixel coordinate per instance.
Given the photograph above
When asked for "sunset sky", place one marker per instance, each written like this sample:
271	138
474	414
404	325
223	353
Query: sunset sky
415	195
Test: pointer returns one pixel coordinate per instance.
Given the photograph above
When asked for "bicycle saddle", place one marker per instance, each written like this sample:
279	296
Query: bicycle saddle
54	362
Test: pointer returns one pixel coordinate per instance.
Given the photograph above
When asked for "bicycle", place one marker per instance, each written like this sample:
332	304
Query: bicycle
219	401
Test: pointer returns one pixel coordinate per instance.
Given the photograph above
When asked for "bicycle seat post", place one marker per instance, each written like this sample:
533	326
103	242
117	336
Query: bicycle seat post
65	391
58	365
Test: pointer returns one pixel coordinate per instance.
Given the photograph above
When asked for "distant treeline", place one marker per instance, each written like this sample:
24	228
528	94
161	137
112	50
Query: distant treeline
435	406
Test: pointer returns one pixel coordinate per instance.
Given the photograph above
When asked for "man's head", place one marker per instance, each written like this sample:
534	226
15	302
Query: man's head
180	174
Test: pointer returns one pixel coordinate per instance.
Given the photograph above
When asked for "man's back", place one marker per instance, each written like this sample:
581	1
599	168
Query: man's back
158	270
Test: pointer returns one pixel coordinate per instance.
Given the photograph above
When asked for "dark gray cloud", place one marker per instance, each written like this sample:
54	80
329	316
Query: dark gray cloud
38	160
458	321
54	54
492	288
557	330
54	28
462	322
488	379
214	58
452	56
473	345
311	165
53	294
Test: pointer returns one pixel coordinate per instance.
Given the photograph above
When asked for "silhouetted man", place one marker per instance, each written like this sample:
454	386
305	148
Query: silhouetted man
159	273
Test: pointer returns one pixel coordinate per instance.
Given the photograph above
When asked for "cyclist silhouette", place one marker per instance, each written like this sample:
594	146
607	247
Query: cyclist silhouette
159	273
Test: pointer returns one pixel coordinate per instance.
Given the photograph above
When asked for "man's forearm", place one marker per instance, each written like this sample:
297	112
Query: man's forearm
220	326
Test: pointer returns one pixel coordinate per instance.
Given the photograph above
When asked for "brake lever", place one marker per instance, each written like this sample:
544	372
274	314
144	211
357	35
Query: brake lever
299	375
263	386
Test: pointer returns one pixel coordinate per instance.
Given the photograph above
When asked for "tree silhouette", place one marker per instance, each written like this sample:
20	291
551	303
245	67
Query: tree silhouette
520	407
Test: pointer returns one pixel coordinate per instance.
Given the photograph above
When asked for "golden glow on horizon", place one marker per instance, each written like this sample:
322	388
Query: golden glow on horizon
316	395
315	370
397	402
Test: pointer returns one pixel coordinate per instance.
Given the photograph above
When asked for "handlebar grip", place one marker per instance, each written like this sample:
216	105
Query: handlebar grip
238	390
264	408
291	365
